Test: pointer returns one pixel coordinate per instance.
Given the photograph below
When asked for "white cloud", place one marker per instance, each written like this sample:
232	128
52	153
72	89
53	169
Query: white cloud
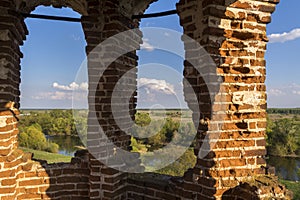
65	92
154	85
284	37
296	92
153	92
284	96
53	96
167	34
276	92
71	87
146	45
58	95
294	86
285	90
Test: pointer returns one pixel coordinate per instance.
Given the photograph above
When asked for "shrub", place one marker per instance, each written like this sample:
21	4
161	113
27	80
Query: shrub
32	137
23	139
52	147
282	137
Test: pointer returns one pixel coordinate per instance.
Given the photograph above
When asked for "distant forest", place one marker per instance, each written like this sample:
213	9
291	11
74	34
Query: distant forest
283	111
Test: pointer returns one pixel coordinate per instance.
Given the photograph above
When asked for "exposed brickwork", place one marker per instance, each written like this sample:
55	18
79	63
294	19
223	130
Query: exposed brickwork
233	32
154	187
23	178
12	34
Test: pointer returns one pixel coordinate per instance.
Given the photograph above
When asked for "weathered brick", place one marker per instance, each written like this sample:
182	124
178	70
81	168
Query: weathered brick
232	32
8	182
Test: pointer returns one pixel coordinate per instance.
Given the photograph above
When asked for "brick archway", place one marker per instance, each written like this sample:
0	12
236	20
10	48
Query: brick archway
27	6
233	32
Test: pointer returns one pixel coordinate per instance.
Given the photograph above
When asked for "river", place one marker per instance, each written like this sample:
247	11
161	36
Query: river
286	168
67	144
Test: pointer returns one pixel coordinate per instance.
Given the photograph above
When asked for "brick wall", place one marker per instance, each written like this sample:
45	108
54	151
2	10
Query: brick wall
154	187
234	35
23	178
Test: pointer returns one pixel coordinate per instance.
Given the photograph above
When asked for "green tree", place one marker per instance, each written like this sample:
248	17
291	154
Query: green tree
44	119
142	119
36	137
282	137
168	129
137	146
33	137
181	165
54	122
23	139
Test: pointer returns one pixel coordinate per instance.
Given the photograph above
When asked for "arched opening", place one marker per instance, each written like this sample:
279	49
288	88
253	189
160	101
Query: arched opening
163	115
237	157
281	54
53	54
283	92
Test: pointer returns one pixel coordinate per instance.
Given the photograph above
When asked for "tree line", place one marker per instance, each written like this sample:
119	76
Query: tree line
283	137
34	126
285	111
162	132
54	122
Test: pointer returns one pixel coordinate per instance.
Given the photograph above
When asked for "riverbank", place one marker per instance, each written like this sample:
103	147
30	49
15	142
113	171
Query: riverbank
285	156
292	186
54	158
49	157
286	168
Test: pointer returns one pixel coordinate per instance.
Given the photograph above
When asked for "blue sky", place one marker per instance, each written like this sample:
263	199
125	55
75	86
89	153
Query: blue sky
283	67
54	51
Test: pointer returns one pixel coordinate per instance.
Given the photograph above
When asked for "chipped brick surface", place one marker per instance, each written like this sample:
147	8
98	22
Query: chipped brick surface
233	32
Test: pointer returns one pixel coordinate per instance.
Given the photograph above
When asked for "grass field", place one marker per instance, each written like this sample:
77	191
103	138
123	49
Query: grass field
280	116
49	157
292	186
183	115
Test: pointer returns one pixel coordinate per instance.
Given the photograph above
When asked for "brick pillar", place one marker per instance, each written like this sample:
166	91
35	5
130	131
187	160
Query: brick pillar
10	157
12	33
104	21
8	132
234	34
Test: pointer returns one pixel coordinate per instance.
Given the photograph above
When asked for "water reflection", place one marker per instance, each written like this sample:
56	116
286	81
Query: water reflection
67	144
286	168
